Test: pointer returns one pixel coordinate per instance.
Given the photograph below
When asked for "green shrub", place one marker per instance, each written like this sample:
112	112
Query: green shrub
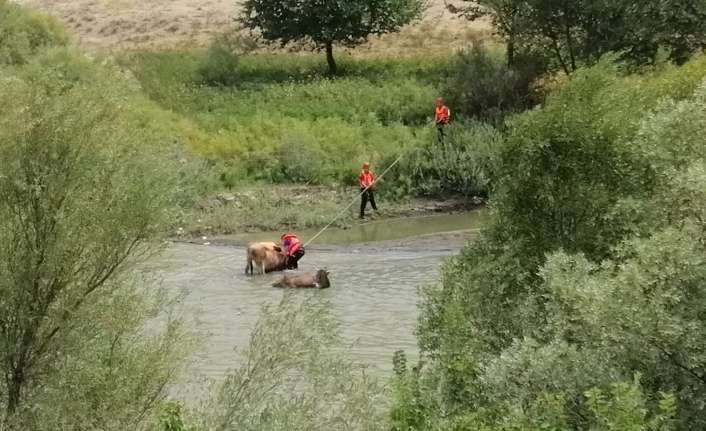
464	164
481	85
23	32
295	376
84	191
577	153
170	419
220	66
606	180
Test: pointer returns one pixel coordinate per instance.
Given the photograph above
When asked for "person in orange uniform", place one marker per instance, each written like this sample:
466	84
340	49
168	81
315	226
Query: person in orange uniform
443	116
367	183
294	250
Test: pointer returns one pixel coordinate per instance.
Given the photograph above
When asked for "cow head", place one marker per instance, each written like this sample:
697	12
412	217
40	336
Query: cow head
322	279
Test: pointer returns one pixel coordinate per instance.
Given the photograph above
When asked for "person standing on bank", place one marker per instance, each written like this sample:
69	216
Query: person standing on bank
443	116
367	183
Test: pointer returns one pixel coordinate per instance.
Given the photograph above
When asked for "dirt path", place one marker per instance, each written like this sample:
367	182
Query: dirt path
131	24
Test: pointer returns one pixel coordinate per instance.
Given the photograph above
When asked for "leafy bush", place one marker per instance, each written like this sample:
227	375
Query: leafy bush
293	350
83	189
220	64
170	419
638	315
464	164
577	154
23	32
481	85
606	180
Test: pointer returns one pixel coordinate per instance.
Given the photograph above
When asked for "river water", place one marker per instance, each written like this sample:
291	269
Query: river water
375	270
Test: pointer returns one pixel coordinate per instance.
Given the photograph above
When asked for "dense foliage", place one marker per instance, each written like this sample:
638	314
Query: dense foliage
482	86
327	23
591	273
23	33
295	349
294	376
83	190
574	33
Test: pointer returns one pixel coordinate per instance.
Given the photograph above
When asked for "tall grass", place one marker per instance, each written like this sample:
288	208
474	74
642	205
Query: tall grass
24	32
463	164
282	120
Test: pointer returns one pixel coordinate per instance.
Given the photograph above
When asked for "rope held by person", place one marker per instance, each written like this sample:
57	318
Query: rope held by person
352	202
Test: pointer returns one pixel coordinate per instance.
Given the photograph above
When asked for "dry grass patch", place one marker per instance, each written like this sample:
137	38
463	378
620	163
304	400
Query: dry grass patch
159	24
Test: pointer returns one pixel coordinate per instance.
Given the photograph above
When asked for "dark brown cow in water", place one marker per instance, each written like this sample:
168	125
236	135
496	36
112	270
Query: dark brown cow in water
266	257
318	280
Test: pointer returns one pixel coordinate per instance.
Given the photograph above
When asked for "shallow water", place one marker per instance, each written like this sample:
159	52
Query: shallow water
375	272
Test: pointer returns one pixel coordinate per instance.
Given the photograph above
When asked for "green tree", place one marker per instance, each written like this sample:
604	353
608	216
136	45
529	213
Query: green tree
82	195
575	33
591	270
326	23
506	16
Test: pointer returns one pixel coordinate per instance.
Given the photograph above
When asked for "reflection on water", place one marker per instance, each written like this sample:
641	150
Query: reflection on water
373	292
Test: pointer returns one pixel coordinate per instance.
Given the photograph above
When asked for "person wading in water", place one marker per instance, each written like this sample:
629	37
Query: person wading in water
367	182
443	116
292	248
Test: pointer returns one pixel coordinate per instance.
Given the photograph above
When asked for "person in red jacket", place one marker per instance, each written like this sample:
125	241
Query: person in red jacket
443	117
367	183
292	248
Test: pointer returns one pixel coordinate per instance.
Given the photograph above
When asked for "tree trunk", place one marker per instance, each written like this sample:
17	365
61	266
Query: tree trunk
332	67
559	57
570	47
511	51
14	390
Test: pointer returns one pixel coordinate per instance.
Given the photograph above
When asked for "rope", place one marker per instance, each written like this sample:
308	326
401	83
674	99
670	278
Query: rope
352	202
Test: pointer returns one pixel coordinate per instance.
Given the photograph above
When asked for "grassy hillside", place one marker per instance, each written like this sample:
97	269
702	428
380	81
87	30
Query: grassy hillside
280	120
283	121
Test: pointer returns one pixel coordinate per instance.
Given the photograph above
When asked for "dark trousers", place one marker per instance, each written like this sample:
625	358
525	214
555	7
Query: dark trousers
441	132
367	195
293	259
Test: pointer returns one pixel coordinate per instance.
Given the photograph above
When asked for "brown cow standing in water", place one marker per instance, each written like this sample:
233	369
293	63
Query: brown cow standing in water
266	257
319	280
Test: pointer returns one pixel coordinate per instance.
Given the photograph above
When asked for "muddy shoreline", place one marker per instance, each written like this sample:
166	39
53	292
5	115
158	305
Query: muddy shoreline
430	230
247	212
